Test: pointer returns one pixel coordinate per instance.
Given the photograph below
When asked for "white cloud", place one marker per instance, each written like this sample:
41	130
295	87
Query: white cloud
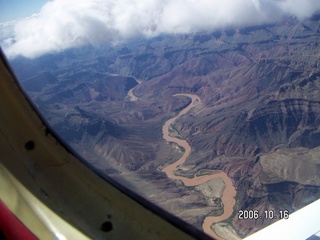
62	24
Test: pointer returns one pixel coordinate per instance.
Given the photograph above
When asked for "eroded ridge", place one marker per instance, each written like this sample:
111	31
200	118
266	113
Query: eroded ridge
229	192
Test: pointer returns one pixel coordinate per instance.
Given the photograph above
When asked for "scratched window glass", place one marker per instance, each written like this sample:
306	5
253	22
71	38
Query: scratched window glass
208	109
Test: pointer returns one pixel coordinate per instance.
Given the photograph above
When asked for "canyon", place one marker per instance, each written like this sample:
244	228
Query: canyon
255	120
228	193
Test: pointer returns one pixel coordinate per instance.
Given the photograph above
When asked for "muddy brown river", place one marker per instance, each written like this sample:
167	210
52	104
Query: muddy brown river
229	192
131	94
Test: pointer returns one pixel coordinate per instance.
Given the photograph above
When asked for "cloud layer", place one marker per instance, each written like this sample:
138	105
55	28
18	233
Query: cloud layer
62	24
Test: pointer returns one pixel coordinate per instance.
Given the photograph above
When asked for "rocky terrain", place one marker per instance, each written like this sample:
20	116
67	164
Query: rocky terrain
258	121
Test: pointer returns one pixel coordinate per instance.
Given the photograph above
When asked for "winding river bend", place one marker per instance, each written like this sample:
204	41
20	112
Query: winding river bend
229	192
131	94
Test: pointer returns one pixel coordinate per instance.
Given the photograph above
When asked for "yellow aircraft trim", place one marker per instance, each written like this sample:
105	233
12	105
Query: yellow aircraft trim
34	213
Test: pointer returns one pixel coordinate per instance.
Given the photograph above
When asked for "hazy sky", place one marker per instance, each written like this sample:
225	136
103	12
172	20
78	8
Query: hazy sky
15	9
62	24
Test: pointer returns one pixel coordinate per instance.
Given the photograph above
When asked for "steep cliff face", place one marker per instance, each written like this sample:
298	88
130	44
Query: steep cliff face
289	122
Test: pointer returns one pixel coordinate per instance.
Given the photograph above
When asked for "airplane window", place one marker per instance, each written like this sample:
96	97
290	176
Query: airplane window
209	109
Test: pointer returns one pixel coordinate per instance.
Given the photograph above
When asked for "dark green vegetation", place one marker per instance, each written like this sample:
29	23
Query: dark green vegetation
260	92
